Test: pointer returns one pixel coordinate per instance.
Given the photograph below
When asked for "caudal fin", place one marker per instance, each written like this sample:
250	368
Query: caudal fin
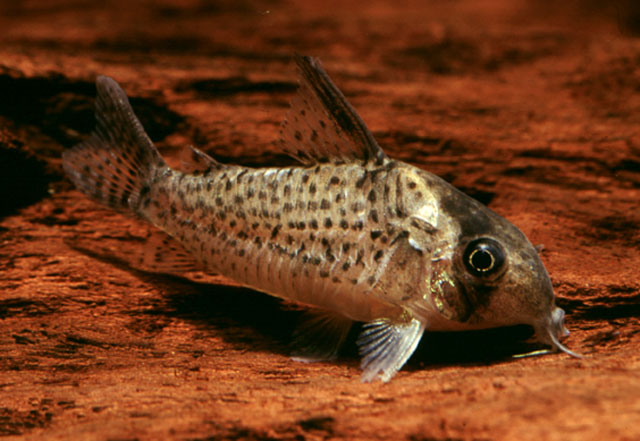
116	163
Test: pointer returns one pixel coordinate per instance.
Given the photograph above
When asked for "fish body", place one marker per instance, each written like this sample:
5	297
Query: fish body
349	233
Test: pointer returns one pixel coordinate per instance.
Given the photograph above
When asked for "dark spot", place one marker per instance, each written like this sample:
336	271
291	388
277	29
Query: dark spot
412	185
275	199
378	255
287	190
356	207
258	242
291	225
372	196
344	224
301	225
325	204
255	225
316	261
358	225
334	279
312	206
233	223
371	280
312	188
373	215
275	231
219	201
250	192
340	197
324	274
238	199
262	195
334	180
346	265
298	135
241	253
288	207
345	247
322	123
305	178
328	223
314	224
228	185
360	182
375	234
401	235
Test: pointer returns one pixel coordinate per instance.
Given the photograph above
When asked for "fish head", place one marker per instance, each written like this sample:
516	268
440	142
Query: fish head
485	273
504	282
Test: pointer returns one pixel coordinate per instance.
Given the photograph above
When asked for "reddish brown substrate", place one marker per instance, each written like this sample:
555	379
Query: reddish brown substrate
531	108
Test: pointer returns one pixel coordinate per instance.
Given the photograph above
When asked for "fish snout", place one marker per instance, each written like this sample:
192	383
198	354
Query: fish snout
550	330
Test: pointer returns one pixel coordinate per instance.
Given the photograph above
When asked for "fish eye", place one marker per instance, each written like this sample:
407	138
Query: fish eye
483	257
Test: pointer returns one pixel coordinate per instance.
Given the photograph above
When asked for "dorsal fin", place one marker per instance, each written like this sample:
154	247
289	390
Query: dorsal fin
321	125
193	160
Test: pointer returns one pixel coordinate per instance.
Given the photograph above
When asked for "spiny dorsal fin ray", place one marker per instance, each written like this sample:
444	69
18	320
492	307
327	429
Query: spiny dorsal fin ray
193	160
322	126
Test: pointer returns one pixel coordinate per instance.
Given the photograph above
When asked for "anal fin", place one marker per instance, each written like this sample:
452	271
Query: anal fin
319	335
164	254
157	253
386	346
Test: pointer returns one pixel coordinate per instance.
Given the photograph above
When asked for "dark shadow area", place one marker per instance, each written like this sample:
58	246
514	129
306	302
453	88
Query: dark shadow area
218	87
63	108
24	178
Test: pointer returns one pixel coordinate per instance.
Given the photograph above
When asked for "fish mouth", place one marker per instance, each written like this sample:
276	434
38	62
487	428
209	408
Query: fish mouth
551	329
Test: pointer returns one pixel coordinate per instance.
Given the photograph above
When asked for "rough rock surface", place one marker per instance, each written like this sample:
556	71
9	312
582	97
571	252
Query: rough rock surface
530	107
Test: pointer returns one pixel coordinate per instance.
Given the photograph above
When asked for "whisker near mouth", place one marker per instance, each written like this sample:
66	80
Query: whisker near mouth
559	346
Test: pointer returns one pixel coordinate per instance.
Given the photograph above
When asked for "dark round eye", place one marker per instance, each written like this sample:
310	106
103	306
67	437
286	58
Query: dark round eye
483	257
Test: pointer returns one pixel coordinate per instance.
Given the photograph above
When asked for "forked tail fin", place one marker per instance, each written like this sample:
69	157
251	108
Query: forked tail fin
117	162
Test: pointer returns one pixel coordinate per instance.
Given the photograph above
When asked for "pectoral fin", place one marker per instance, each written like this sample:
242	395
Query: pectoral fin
385	347
319	335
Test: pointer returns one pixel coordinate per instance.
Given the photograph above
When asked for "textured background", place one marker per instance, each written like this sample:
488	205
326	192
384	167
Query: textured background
530	107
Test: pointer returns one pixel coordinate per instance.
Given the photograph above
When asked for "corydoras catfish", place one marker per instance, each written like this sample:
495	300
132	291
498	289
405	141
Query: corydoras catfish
348	233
